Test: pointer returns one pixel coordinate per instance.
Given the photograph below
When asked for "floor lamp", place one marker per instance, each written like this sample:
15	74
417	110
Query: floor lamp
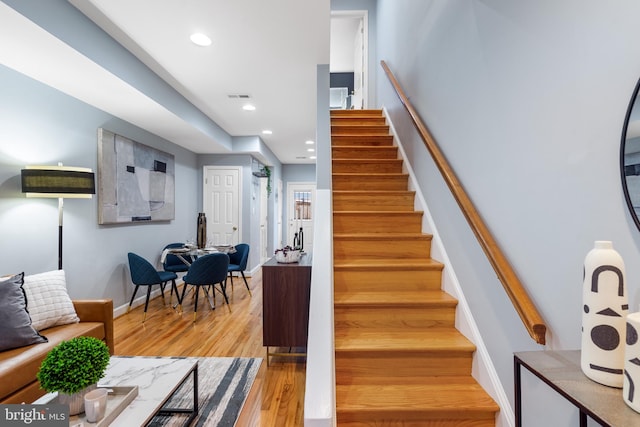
58	182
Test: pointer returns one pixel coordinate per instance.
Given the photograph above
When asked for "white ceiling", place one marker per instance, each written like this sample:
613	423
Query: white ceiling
267	50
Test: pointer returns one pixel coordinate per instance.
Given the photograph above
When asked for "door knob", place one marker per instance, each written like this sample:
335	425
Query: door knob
235	228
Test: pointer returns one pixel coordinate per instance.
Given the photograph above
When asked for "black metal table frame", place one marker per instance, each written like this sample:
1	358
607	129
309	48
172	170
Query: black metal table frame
193	411
517	364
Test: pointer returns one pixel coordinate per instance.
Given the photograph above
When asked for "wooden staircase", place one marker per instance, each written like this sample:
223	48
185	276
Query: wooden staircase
399	359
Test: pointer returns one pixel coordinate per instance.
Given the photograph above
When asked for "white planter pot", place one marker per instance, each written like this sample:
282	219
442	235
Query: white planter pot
75	400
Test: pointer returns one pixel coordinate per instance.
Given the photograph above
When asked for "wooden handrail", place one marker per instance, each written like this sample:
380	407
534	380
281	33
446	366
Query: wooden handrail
517	294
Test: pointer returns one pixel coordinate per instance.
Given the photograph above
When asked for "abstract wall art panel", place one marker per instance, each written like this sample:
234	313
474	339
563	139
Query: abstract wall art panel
136	182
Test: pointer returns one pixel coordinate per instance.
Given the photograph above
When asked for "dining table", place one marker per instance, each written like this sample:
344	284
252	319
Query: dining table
188	253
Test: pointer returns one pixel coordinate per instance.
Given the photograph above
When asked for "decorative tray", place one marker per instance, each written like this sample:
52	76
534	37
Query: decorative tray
288	257
118	399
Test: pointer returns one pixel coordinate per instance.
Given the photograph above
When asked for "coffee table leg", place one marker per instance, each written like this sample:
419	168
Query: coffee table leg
194	410
195	396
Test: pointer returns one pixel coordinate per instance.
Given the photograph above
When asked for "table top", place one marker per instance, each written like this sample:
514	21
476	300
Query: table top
304	261
157	379
226	249
195	252
562	371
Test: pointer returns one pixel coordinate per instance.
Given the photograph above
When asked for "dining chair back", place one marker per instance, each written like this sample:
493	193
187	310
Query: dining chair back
206	272
238	263
174	263
143	273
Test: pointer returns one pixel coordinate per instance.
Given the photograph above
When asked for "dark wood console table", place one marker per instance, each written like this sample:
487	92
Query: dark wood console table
285	304
561	371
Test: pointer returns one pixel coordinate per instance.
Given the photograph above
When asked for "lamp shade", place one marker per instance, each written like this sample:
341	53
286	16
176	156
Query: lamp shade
58	181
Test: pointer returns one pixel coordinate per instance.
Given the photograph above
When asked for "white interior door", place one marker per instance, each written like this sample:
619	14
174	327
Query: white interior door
350	51
264	219
358	100
300	205
279	196
221	200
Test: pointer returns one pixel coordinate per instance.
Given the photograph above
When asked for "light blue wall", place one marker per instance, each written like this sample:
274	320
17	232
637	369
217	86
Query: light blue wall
64	21
31	120
527	101
43	126
298	173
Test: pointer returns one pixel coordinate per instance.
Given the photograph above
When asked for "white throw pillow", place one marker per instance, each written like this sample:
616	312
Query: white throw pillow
48	302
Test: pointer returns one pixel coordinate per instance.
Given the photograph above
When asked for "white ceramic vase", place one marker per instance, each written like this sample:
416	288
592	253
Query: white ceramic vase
75	400
605	307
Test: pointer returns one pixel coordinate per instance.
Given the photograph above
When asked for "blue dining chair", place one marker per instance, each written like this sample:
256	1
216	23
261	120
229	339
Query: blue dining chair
206	272
174	263
238	263
143	273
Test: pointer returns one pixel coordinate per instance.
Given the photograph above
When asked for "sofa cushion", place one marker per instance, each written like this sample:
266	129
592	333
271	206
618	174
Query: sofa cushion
15	324
48	302
18	367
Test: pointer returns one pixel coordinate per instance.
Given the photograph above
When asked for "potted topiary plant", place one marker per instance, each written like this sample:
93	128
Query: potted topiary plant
267	173
73	368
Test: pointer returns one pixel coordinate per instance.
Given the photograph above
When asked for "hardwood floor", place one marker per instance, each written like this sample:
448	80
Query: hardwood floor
277	397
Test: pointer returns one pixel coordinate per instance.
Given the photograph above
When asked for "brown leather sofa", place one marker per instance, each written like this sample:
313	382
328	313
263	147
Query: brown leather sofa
19	366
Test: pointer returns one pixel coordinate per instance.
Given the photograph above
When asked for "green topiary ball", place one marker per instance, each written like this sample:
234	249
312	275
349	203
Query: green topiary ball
73	365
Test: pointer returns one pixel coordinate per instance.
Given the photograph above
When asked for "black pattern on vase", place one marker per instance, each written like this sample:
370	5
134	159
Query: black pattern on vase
605	308
632	362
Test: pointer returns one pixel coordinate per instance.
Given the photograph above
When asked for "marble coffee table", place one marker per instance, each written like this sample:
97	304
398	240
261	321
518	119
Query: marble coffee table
157	379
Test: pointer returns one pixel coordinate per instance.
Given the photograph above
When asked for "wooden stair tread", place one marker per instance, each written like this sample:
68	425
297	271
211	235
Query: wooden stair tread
356	137
375	213
404	264
365	148
401	340
357	126
374	193
384	236
366	160
366	120
355	113
370	133
369	175
453	397
366	140
434	298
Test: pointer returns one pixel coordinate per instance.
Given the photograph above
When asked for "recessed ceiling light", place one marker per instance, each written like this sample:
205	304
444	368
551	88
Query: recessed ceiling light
267	132
311	150
312	157
200	39
248	107
309	142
